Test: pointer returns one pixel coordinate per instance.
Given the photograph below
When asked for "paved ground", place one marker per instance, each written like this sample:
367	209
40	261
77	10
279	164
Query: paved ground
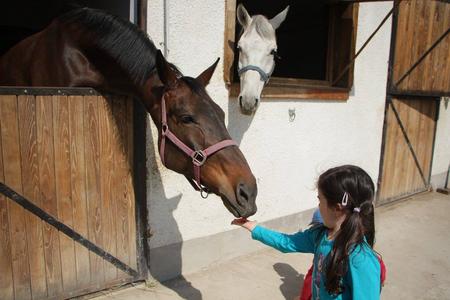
413	237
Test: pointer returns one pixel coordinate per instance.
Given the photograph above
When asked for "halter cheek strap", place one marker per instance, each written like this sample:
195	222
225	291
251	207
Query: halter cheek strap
199	157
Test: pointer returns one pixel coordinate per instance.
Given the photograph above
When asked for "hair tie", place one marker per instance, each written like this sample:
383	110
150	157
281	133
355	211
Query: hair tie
344	199
357	209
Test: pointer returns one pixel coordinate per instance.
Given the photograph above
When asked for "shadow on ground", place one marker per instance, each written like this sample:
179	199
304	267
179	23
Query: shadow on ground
291	280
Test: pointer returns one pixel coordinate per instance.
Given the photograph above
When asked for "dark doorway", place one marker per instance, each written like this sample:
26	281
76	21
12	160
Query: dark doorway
20	19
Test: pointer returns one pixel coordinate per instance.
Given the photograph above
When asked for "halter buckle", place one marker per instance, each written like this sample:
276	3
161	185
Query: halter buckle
199	158
164	129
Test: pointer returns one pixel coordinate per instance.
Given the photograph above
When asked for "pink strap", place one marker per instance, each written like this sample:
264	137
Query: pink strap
198	157
218	146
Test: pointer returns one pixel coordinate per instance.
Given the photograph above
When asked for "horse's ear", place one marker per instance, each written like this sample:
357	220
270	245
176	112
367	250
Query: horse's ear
278	19
167	76
243	16
206	75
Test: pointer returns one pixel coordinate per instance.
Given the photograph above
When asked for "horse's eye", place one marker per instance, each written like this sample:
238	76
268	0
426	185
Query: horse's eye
275	53
186	119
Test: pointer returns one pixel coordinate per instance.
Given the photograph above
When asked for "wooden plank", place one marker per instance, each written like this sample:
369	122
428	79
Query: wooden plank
414	80
229	38
404	39
78	178
106	182
416	132
30	179
391	154
427	84
44	122
13	178
399	45
91	130
63	188
446	51
399	149
414	123
129	180
6	275
120	137
442	51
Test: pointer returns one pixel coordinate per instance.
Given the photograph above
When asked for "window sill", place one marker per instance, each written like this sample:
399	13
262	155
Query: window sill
310	92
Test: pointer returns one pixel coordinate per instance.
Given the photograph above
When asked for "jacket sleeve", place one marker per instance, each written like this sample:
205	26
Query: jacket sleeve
302	241
364	272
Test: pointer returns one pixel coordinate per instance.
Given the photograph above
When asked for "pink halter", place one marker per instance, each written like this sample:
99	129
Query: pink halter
198	156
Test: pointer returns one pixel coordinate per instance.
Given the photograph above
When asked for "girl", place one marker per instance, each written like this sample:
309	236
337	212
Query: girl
345	265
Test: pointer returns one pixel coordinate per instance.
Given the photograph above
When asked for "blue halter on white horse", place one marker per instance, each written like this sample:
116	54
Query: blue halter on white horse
257	51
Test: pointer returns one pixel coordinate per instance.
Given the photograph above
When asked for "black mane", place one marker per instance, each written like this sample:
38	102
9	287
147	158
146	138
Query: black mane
121	40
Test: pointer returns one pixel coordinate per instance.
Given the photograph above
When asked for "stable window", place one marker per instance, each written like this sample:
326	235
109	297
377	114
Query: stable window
316	43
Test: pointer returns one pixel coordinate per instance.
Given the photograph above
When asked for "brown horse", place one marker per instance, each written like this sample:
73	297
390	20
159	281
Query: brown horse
90	48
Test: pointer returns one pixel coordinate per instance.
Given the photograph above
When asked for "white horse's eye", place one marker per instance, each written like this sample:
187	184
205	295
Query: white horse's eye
275	53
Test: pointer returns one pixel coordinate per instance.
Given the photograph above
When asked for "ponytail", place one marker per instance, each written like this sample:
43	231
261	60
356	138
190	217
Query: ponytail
353	188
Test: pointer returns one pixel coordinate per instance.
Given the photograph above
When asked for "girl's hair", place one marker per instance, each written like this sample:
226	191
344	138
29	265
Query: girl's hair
359	223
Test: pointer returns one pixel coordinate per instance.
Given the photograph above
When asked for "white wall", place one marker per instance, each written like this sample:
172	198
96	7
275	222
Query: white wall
286	157
441	156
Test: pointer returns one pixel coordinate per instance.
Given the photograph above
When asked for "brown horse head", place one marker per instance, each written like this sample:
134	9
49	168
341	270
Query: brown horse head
198	122
88	47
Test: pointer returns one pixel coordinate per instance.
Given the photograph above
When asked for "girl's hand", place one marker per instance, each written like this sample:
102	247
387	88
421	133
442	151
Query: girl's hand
243	222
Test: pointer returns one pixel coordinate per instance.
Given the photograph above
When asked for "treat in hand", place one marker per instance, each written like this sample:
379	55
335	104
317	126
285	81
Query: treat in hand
244	222
239	221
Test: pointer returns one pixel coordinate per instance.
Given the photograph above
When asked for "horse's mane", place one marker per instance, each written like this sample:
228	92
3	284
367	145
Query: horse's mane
123	41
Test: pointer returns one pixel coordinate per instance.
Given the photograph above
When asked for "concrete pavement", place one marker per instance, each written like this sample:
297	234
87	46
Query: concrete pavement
412	235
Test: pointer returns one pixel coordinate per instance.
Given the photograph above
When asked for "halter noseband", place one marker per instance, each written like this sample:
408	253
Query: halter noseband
263	75
198	156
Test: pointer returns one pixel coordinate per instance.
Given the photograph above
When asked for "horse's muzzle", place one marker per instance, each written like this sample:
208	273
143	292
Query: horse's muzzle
248	105
246	199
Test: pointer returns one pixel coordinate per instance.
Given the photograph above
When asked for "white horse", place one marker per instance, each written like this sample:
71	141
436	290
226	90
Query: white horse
257	50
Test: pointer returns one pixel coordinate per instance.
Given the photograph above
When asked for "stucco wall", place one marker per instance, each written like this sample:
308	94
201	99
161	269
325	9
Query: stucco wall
441	155
286	157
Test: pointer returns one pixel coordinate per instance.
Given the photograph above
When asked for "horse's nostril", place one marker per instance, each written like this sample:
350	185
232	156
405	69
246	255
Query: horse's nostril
256	101
240	101
242	194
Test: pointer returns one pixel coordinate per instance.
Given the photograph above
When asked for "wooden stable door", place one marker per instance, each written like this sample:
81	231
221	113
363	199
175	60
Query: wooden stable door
408	149
72	157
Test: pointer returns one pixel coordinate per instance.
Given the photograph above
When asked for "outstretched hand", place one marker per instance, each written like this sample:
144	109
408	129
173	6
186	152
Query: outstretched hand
243	222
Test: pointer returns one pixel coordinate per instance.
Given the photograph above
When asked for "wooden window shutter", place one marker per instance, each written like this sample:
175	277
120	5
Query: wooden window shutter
343	39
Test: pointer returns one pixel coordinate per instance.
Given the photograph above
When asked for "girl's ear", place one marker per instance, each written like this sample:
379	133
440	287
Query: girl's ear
339	208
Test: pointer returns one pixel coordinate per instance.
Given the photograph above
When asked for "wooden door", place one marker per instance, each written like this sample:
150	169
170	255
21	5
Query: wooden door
419	73
71	156
408	149
421	63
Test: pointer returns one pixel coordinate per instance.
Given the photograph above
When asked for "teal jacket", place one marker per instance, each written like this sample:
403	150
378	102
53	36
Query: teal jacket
362	280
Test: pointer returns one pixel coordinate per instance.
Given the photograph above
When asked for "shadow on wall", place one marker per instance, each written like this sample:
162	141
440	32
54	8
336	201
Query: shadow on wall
166	261
291	280
238	123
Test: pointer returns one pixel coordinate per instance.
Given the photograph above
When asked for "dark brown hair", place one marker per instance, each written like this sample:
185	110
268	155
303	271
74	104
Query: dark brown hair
358	225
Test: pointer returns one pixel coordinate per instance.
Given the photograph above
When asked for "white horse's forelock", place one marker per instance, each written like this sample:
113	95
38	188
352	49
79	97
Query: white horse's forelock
263	27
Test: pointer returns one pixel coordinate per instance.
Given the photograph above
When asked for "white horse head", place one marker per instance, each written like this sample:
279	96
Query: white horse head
257	50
